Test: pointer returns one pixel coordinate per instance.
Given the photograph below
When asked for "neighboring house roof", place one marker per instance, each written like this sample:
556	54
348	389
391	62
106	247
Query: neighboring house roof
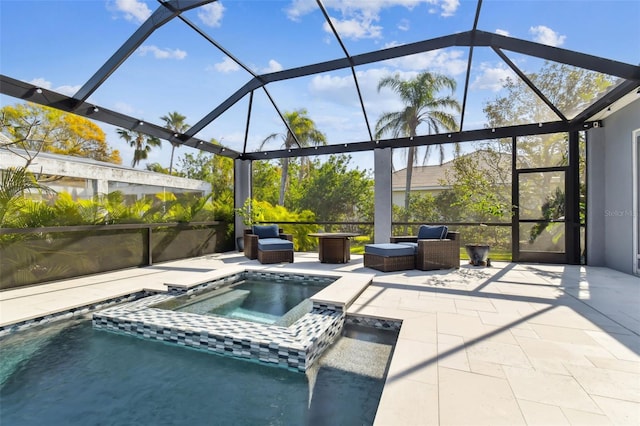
430	178
423	178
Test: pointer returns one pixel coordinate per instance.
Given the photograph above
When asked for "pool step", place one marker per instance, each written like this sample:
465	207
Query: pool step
247	315
228	300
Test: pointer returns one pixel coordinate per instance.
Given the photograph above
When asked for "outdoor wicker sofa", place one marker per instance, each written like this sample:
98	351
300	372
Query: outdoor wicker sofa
268	244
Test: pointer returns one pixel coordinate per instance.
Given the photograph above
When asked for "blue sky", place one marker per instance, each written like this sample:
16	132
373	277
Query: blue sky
61	44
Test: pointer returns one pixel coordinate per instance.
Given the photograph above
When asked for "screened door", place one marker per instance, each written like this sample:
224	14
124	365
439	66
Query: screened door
545	194
540	217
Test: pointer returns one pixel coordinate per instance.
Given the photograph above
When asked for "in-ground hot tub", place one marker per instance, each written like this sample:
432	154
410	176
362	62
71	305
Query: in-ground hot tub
293	340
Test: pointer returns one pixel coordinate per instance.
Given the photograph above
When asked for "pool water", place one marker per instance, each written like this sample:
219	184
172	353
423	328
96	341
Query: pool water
258	300
81	376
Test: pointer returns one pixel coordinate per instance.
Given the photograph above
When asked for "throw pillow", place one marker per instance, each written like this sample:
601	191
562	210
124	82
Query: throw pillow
265	231
430	232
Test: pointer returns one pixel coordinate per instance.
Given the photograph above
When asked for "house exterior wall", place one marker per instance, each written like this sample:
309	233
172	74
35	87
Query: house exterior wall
398	195
83	178
610	217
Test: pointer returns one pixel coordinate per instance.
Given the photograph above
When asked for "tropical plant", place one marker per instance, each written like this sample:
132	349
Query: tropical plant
250	211
186	208
422	106
264	212
306	134
16	182
175	122
141	143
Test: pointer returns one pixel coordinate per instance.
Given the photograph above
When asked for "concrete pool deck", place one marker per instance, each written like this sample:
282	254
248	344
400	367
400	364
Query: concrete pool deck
511	344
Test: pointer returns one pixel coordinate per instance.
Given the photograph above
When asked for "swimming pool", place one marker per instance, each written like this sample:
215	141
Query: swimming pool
77	375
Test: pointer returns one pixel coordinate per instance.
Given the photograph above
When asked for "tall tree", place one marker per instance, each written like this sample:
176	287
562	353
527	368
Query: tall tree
422	106
174	121
266	181
141	143
570	89
333	191
33	128
307	134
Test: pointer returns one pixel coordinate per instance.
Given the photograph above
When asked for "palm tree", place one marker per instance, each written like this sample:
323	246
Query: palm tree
174	121
305	130
422	106
15	182
142	144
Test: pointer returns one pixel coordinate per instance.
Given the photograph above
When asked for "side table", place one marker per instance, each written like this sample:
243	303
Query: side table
334	247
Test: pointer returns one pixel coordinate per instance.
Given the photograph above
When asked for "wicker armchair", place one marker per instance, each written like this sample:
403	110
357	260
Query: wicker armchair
434	253
252	250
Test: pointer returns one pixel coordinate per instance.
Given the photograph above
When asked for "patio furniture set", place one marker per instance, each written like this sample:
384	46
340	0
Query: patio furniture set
269	244
433	248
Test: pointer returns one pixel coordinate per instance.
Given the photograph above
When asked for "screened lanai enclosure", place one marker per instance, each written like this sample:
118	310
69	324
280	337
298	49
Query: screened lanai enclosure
536	84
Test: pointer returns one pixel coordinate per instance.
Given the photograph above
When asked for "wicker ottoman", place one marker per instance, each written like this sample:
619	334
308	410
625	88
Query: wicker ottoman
275	250
389	257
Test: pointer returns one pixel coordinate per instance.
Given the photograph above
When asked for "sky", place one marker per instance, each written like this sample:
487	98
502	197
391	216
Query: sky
60	44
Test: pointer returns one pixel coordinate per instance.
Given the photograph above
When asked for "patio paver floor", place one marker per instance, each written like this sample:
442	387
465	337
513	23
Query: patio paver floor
511	344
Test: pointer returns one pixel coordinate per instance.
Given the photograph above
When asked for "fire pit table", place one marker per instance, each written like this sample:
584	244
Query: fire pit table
334	247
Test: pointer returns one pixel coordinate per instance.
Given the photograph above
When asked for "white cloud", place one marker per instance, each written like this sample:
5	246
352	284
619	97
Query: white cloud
67	90
133	10
502	32
356	17
368	8
211	14
299	8
404	25
227	65
274	66
447	7
546	35
327	83
341	90
450	62
159	53
41	82
354	28
492	78
64	89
